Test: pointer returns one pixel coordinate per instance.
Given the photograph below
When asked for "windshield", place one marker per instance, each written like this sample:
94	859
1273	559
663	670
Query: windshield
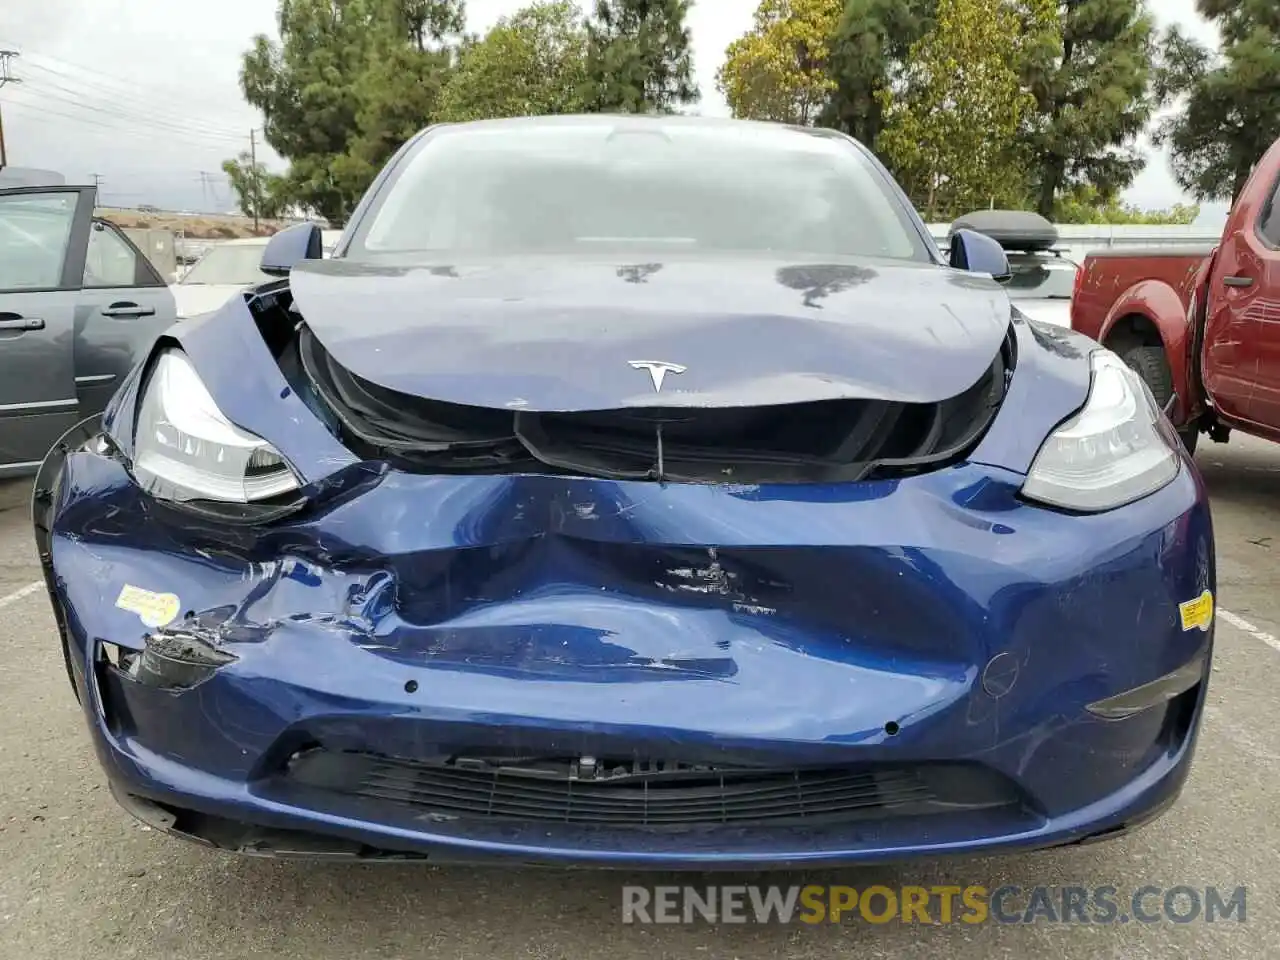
229	264
621	185
1041	278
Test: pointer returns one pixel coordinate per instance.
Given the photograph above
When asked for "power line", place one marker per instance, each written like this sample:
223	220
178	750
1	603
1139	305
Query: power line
117	86
119	105
50	97
41	113
36	89
95	100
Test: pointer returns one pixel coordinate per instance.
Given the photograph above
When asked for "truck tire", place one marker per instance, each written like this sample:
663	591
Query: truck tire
1152	366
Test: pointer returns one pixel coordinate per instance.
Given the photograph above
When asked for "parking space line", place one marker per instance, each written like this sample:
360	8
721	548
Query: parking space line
1240	623
17	595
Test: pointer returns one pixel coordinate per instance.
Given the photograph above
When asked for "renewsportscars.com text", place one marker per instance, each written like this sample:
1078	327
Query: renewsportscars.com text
818	903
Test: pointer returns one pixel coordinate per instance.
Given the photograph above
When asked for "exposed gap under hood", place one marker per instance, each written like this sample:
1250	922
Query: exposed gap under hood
808	442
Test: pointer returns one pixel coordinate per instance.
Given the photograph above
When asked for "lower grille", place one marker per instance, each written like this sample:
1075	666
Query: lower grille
648	795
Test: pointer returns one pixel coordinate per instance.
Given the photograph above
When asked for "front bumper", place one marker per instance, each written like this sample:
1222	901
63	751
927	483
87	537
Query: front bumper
879	630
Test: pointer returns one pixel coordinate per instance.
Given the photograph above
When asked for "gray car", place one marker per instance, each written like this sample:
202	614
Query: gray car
79	304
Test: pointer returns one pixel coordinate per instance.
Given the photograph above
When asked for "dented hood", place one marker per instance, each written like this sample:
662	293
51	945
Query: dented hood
557	334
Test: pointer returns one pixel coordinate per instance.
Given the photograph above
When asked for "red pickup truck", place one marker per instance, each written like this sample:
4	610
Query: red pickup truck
1202	327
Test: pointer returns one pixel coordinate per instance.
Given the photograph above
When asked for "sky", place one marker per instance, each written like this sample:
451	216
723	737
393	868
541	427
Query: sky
145	95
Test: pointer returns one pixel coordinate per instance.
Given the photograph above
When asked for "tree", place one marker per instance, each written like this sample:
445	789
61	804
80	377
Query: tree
1084	204
869	52
347	82
952	131
429	21
1091	76
305	88
529	64
400	85
1231	113
638	57
261	194
780	69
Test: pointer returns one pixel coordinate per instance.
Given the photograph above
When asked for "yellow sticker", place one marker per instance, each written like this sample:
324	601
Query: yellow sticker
1197	614
153	609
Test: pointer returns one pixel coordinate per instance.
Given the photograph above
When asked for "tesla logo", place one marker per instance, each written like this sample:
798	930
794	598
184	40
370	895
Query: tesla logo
658	370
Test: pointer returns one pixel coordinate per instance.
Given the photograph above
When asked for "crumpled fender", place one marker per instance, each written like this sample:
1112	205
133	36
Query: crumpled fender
1050	384
234	362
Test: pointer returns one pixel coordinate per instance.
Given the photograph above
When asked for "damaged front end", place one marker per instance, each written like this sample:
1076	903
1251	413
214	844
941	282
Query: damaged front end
657	633
830	441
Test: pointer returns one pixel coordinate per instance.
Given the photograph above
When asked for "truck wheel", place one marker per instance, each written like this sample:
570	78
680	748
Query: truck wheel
1152	366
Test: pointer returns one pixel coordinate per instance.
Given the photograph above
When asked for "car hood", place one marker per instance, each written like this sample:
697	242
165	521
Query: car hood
560	335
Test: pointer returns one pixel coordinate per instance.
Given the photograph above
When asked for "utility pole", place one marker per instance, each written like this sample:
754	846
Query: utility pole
6	57
257	183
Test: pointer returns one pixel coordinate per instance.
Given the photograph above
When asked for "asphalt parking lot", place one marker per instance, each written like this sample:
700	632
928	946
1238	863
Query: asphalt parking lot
78	878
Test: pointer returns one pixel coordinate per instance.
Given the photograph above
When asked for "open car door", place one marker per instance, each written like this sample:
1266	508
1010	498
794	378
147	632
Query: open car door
43	236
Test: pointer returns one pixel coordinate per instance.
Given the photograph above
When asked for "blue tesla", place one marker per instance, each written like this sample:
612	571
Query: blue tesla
632	491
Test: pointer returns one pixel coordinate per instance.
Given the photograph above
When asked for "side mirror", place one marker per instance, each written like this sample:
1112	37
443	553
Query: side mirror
290	247
978	253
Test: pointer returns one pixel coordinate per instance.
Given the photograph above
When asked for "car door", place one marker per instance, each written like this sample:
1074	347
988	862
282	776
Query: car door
124	305
43	233
1240	356
1262	316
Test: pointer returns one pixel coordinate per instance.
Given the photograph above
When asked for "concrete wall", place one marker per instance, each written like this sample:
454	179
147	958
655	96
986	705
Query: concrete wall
1076	241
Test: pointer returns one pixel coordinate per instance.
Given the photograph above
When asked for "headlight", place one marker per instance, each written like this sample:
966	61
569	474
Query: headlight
185	449
1111	453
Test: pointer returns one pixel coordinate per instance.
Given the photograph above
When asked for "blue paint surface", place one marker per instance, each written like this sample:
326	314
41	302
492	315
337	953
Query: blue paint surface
772	625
